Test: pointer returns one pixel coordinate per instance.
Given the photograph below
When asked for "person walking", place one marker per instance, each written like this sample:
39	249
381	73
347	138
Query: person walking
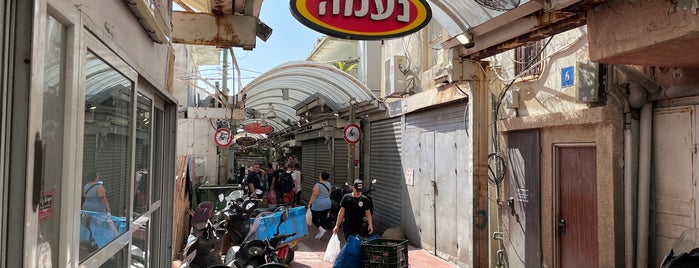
296	175
319	204
95	195
353	208
253	181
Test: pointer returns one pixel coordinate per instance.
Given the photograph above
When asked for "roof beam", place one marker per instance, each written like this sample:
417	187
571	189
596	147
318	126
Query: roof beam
214	30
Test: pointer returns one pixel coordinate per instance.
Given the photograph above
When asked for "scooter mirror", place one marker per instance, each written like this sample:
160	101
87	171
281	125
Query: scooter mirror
258	192
221	197
373	181
285	214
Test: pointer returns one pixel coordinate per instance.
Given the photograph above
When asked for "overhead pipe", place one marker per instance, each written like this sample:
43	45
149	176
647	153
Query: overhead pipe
641	78
644	163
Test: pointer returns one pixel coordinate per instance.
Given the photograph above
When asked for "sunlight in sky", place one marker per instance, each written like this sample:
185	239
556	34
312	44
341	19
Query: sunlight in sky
290	41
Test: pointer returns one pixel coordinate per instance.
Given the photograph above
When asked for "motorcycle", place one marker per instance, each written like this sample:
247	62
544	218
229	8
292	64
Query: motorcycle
685	251
255	252
237	213
205	242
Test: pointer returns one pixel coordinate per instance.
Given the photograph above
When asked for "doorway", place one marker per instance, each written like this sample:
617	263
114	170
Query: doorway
576	224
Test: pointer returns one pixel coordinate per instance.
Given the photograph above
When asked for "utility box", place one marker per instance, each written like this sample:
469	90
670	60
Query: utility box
394	78
587	81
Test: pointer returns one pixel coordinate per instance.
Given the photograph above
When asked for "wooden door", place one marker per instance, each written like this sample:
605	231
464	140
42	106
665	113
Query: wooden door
577	197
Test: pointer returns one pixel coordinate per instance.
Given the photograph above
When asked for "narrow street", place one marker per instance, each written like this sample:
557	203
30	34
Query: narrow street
310	253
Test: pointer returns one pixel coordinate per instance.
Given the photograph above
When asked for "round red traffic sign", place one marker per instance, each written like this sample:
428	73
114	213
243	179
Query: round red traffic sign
223	137
352	133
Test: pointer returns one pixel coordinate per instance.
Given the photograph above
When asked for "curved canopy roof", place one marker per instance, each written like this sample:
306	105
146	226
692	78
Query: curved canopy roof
291	85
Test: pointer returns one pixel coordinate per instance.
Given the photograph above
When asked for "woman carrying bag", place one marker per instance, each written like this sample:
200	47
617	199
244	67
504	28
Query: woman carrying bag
320	204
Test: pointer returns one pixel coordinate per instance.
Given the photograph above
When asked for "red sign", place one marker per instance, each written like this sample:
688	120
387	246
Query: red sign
363	20
352	133
257	128
223	137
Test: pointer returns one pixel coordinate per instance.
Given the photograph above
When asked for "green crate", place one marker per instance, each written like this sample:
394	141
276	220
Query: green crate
385	253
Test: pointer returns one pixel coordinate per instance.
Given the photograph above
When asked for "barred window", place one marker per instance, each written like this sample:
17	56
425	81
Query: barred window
527	55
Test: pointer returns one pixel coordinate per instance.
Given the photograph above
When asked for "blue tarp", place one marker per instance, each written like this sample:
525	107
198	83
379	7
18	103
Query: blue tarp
104	227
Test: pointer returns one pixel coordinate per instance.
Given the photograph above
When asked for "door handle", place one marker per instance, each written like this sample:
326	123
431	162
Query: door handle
39	155
562	226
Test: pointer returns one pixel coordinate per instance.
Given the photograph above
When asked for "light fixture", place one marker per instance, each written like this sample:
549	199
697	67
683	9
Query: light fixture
466	39
336	114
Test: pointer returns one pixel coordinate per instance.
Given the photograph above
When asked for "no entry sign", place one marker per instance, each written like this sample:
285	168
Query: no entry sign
223	137
352	133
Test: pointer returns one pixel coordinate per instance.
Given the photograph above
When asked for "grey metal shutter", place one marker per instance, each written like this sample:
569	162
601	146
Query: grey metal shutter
385	166
324	158
340	165
308	162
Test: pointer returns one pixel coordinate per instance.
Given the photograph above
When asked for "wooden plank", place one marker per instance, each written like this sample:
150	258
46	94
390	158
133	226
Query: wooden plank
182	204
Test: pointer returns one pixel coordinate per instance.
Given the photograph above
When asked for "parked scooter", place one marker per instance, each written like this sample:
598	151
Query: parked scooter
685	251
261	253
205	241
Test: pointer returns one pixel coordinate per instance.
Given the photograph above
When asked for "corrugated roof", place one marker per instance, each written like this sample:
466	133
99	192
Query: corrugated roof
291	85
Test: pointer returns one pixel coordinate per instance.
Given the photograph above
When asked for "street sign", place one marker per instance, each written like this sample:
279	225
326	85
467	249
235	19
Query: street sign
223	137
352	133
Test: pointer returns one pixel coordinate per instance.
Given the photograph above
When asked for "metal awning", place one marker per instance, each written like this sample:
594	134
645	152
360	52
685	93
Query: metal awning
488	27
291	85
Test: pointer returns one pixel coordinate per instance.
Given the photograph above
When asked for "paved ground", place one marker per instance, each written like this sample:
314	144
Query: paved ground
310	254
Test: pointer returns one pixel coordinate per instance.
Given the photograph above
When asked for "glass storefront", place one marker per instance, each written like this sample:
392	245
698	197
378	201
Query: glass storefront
106	155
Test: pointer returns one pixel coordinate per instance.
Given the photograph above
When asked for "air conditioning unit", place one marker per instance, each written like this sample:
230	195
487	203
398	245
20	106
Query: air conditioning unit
456	71
394	78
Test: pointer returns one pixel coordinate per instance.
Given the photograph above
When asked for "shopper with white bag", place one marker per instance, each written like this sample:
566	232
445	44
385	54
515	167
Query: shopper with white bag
320	204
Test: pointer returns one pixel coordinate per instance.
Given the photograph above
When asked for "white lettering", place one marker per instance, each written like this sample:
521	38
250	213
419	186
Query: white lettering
382	13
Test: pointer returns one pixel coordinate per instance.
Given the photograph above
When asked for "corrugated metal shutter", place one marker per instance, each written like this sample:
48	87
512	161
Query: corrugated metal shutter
385	166
324	160
308	163
340	166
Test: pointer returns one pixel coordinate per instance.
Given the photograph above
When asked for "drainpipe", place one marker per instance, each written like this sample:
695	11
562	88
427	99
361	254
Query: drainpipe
676	92
644	185
630	172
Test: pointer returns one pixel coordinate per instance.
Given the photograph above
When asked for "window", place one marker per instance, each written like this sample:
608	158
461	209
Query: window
106	151
52	124
526	55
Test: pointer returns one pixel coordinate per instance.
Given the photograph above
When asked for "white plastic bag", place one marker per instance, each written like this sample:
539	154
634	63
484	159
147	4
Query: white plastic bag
309	217
332	250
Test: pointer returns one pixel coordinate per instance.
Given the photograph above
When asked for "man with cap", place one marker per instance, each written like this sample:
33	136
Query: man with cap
353	208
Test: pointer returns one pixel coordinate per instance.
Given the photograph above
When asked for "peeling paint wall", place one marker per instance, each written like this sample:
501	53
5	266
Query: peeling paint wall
195	138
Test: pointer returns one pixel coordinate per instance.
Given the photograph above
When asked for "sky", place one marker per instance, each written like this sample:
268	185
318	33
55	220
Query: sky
290	41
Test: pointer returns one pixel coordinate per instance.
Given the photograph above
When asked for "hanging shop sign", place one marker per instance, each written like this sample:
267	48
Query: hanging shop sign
352	133
257	128
223	137
246	141
363	20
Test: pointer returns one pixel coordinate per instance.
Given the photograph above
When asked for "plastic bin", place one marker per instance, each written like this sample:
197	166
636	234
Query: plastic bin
296	223
385	253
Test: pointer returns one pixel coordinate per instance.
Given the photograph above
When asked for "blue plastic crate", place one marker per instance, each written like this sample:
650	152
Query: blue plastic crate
296	223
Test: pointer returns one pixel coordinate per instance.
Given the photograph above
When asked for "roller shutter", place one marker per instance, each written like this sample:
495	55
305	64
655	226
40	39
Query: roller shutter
340	164
385	166
308	163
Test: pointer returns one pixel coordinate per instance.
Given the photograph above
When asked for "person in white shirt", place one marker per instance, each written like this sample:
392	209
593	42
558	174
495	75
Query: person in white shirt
296	175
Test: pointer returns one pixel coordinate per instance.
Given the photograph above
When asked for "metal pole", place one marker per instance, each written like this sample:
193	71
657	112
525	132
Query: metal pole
350	151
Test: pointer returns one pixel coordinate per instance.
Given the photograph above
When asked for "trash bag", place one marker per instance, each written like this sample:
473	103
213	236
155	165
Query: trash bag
332	250
350	255
309	217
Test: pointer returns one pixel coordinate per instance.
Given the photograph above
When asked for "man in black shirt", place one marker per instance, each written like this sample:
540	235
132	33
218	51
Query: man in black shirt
253	180
353	208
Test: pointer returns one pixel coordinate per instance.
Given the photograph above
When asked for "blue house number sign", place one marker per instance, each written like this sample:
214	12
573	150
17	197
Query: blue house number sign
567	77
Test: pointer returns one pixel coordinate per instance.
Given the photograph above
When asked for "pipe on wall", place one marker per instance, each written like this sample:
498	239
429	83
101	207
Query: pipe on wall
637	95
630	168
676	92
638	76
644	162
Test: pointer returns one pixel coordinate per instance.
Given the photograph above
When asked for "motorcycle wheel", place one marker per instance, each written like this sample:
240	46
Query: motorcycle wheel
272	265
289	256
